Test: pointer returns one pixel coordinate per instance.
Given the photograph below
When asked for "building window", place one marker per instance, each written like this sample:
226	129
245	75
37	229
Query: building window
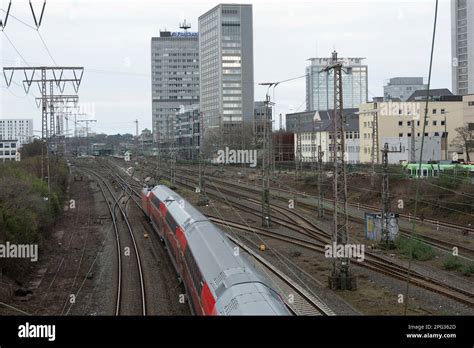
400	135
443	111
400	123
443	123
435	123
434	111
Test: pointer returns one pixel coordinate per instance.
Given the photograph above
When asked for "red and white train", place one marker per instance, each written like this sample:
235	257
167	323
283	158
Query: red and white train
218	281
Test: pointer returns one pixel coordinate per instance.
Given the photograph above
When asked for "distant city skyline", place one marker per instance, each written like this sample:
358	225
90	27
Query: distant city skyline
114	48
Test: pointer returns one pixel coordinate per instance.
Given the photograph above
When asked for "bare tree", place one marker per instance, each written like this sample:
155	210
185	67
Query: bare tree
464	140
237	137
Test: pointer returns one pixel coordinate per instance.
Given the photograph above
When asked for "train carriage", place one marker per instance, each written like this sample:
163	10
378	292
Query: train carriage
218	280
428	170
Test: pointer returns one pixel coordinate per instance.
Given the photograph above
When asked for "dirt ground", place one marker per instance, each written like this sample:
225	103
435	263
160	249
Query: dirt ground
76	271
67	269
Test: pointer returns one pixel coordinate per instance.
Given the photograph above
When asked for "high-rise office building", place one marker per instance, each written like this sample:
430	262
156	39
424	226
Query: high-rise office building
226	66
320	85
462	46
401	88
174	79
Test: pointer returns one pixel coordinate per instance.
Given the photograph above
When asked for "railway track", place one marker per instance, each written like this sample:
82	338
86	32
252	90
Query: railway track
14	309
301	302
466	252
450	225
301	224
371	262
125	270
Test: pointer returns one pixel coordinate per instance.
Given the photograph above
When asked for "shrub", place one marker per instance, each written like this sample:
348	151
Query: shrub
467	269
416	248
452	263
165	182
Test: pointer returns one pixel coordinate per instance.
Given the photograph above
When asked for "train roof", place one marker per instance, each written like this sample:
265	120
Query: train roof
223	266
183	212
208	244
250	299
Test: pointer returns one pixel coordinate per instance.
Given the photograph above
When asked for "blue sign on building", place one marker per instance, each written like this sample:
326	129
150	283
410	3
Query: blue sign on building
184	34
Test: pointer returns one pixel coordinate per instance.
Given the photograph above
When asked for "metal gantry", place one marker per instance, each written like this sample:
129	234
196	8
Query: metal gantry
386	241
52	76
203	199
341	276
87	132
266	165
375	142
320	179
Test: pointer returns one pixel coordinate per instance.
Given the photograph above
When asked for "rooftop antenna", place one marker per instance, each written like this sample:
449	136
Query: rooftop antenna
185	25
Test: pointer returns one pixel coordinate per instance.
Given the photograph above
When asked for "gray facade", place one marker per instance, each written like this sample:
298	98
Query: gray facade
187	132
175	79
402	88
260	114
320	85
226	68
462	46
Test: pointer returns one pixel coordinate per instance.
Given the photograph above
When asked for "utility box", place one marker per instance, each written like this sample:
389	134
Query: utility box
373	226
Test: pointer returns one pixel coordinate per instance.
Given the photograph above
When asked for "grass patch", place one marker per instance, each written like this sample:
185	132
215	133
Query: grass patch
452	263
419	250
467	269
165	182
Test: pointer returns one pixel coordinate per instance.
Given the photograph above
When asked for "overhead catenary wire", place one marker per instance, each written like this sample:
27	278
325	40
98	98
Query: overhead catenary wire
417	194
19	20
258	237
46	47
16	49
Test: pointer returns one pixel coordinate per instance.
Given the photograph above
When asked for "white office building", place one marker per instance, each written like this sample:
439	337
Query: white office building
9	150
19	129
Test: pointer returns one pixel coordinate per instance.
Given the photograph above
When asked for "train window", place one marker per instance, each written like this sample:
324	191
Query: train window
193	269
155	201
418	173
172	224
435	172
425	172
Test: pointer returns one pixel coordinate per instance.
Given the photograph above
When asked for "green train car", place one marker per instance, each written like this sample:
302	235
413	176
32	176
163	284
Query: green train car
433	169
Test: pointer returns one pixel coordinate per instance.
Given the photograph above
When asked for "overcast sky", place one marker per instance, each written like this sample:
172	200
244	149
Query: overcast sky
111	39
